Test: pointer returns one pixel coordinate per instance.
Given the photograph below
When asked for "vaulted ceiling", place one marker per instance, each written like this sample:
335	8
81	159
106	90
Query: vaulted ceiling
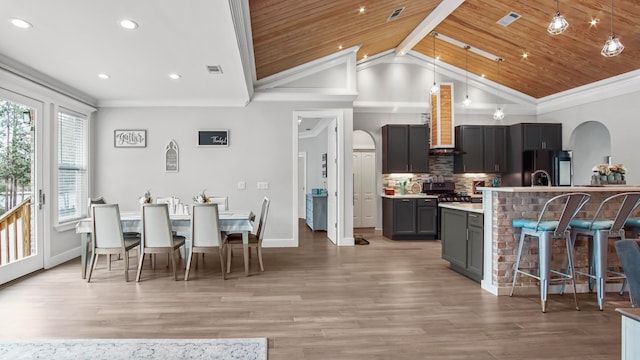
287	33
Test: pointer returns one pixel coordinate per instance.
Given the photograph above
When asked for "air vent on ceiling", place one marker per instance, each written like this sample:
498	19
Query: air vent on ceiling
509	19
395	14
214	69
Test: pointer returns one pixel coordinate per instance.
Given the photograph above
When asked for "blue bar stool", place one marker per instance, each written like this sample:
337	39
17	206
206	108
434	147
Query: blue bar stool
600	230
545	231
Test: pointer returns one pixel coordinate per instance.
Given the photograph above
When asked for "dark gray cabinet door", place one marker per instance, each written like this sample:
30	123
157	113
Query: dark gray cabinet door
470	139
395	149
454	236
427	212
418	148
475	244
404	216
495	149
551	136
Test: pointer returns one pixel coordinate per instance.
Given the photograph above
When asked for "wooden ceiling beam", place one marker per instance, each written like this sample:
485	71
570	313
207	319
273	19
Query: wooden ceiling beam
427	25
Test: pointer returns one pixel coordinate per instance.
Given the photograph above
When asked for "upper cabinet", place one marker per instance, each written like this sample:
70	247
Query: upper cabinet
541	136
484	149
442	117
405	148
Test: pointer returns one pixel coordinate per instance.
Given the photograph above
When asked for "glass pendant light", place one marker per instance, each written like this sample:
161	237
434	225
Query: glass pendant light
467	101
498	115
435	88
558	24
612	46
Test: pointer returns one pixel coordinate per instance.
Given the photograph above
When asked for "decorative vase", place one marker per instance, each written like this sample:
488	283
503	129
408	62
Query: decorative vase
611	178
617	176
603	178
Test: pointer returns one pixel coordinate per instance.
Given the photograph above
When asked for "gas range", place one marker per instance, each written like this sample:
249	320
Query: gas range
445	192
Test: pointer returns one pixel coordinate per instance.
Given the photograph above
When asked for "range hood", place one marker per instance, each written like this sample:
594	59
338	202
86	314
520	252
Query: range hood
442	131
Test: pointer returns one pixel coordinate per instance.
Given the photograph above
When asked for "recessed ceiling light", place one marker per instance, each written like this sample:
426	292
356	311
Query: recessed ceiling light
175	76
361	9
525	55
340	47
594	22
365	56
104	76
22	24
483	75
128	24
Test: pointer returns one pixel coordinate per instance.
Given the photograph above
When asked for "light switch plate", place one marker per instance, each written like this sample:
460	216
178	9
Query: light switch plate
263	185
242	185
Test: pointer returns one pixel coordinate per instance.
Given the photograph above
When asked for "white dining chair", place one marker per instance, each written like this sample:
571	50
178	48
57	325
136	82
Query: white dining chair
157	237
255	240
127	234
222	201
108	238
205	234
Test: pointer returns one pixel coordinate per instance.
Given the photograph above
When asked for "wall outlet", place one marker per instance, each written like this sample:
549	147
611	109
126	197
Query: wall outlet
263	185
242	185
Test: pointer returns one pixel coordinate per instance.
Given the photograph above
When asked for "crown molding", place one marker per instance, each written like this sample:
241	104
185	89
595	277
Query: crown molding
175	103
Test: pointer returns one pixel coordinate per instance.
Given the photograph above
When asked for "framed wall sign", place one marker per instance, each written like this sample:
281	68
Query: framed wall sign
130	138
213	138
171	157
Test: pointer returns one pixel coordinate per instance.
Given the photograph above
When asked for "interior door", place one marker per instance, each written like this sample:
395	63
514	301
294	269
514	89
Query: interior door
368	188
21	222
357	189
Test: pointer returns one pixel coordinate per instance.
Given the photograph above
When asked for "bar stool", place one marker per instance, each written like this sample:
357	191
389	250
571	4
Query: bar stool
600	230
545	231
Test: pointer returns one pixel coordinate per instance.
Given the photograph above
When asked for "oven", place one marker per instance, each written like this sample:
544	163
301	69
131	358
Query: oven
446	192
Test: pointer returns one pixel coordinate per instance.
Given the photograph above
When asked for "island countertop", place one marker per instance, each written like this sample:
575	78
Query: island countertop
562	189
464	206
410	196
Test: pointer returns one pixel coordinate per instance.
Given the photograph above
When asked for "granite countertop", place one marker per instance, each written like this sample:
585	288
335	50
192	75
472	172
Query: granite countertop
409	196
464	206
562	189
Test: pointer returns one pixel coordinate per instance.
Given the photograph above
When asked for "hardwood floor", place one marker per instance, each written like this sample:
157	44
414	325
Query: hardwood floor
385	300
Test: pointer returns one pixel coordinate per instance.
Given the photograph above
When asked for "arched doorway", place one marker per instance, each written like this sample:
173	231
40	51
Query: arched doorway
591	144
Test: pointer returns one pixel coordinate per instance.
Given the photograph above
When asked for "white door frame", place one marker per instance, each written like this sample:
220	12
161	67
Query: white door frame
338	114
36	262
301	211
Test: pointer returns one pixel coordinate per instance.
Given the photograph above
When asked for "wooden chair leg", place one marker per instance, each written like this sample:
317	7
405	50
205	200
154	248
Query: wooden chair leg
109	262
92	265
126	266
229	251
260	257
186	271
140	262
221	251
172	255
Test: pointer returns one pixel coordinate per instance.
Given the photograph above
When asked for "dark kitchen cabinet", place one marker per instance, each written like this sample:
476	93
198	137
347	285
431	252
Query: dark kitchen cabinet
484	149
495	149
463	241
405	148
410	218
542	136
470	140
528	136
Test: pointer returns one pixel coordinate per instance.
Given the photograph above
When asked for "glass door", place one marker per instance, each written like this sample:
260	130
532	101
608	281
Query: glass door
21	239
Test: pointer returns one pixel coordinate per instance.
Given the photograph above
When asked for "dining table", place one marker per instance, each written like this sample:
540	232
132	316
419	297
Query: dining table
231	221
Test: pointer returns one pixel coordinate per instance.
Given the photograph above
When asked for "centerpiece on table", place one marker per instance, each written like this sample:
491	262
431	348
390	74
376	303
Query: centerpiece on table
202	198
146	198
610	174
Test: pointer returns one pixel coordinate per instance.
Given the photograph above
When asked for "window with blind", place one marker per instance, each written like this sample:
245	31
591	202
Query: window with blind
72	166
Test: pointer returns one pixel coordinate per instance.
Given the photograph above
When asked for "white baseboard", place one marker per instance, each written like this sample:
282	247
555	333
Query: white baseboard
274	243
61	258
348	242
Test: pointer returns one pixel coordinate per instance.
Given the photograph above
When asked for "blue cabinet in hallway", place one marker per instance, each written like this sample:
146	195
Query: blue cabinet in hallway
317	212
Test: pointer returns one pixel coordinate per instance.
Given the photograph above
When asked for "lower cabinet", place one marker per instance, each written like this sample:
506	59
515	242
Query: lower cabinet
463	241
317	212
410	218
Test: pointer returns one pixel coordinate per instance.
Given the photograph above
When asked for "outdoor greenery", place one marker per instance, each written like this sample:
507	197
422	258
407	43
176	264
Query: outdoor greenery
15	151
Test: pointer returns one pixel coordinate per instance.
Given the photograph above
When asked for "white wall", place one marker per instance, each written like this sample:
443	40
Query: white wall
314	147
621	117
260	149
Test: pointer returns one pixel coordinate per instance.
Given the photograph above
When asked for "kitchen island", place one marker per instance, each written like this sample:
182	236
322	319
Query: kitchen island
462	237
502	205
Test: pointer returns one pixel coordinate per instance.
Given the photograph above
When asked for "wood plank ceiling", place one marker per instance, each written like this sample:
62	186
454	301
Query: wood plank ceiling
287	33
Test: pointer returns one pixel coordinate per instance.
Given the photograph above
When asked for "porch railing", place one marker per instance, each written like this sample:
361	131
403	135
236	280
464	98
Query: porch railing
15	233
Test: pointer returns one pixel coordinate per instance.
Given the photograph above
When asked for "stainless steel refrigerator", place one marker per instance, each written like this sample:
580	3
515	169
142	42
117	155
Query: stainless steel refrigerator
559	165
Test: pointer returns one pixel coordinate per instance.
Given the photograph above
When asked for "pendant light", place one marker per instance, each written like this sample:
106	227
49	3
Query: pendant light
612	46
434	89
498	115
467	101
558	24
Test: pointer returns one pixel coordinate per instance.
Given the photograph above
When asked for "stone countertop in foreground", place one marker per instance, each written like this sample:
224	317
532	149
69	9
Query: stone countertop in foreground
563	189
464	206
